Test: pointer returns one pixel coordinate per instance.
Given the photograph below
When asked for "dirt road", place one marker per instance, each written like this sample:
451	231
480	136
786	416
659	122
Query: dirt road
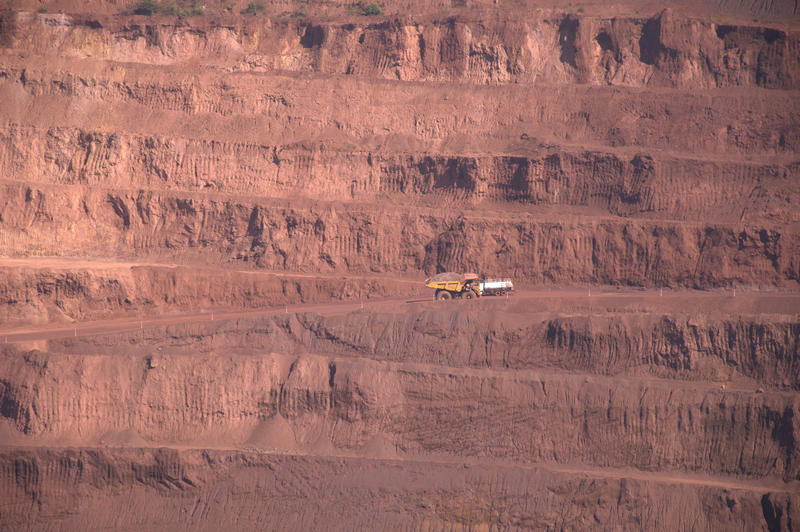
598	298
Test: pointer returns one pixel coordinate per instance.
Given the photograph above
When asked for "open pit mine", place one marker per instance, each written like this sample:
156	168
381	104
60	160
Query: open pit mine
217	221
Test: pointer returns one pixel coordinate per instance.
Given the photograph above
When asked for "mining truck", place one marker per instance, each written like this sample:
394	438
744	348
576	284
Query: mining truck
450	285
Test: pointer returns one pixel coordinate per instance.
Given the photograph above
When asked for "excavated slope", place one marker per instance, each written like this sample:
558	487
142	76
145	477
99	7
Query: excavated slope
213	232
572	407
496	149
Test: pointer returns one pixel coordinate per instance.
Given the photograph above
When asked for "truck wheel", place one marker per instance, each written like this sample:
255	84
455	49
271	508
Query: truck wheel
469	294
443	294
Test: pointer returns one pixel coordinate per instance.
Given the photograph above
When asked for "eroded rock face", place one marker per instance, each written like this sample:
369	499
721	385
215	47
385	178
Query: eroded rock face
373	491
646	406
665	50
421	410
299	174
666	187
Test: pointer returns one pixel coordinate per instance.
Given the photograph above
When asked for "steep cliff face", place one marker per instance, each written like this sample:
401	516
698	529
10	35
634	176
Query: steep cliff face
667	50
613	182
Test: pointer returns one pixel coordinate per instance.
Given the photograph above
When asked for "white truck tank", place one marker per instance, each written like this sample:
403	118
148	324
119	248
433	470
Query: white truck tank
496	287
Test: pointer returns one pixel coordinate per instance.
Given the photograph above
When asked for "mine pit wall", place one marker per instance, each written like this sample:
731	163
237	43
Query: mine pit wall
36	296
76	183
302	403
431	396
403	414
209	490
667	50
410	241
718	349
251	107
43	162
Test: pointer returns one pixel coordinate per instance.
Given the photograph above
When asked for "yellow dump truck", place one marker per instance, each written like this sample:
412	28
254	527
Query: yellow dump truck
449	285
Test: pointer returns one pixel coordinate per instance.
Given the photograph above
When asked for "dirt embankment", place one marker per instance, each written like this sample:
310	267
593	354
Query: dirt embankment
410	243
647	184
205	490
69	293
321	405
620	408
451	383
283	111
